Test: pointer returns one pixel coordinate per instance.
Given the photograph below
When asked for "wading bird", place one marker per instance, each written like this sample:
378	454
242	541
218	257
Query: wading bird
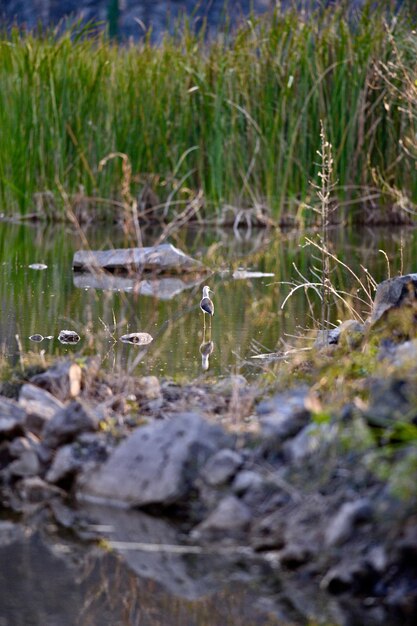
206	305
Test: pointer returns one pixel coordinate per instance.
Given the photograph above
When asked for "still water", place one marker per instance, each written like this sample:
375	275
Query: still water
126	578
248	316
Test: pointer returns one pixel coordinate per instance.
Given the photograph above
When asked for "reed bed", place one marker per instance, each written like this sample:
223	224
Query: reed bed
235	119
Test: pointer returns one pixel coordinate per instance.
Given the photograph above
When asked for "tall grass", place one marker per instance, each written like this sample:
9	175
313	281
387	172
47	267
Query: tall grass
237	117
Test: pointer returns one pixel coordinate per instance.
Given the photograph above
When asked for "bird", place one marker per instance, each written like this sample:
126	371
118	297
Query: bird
206	305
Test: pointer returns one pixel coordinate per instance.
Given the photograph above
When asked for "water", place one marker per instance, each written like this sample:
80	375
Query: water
248	316
52	579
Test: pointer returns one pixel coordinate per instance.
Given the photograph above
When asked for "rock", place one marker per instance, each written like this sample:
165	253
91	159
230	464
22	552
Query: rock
221	467
326	338
68	423
35	490
349	333
231	384
231	518
283	416
157	464
393	293
64	465
268	532
342	525
157	259
68	337
260	494
40	407
148	388
309	441
294	555
137	339
26	465
63	380
12	418
389	400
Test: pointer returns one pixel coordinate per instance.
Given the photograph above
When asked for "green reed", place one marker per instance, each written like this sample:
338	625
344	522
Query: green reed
238	116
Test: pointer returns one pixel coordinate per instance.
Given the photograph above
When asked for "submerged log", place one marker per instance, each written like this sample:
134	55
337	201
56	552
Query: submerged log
157	259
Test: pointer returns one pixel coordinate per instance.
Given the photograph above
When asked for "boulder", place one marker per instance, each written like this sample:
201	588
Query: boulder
393	293
164	258
157	464
40	407
162	288
63	380
12	418
68	423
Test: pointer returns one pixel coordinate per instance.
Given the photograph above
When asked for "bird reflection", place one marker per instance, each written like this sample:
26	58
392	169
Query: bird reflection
206	349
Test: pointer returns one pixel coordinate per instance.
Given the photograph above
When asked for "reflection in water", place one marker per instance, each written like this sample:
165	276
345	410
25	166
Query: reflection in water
206	349
44	302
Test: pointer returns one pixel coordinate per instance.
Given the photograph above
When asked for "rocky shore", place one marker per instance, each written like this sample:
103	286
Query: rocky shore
316	481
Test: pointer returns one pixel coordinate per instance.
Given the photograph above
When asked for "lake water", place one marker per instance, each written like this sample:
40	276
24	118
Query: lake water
51	579
248	317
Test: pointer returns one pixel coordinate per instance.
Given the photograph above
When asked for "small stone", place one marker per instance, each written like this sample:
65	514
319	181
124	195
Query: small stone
35	490
64	465
351	334
68	336
148	388
137	339
221	467
68	423
245	481
269	532
342	525
26	465
230	518
63	380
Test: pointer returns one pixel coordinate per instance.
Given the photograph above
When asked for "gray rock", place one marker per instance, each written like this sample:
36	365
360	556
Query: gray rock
349	333
64	465
231	518
68	423
221	467
148	388
40	407
164	258
26	465
393	293
35	490
12	417
246	480
342	525
157	464
326	338
62	380
269	532
283	416
309	441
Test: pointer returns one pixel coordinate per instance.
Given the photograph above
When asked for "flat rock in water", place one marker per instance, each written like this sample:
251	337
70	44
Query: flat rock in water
12	417
138	339
159	259
393	293
157	464
63	380
68	336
